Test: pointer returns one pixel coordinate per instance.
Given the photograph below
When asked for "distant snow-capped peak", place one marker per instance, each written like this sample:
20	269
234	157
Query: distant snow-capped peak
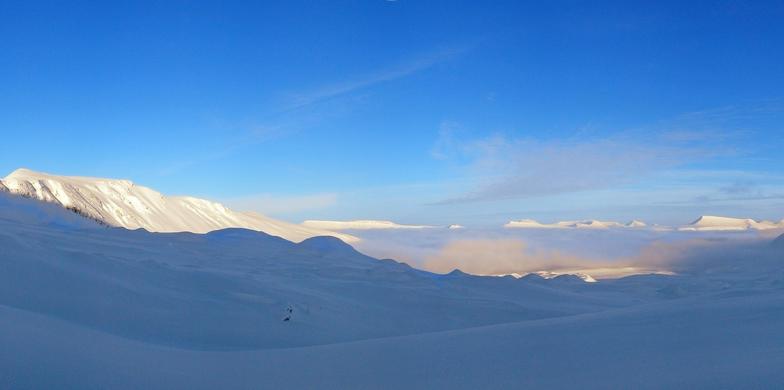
703	223
554	276
715	223
122	203
583	224
636	224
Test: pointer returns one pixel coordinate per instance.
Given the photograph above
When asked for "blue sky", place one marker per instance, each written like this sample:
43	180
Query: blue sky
418	112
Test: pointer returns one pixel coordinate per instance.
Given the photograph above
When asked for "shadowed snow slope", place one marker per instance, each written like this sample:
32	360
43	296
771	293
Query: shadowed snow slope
88	306
732	343
778	243
124	204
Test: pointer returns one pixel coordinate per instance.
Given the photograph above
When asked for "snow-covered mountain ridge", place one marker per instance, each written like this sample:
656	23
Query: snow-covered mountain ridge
714	223
122	203
586	224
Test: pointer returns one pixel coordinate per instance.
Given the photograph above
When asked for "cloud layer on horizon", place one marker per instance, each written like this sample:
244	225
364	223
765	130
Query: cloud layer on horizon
601	254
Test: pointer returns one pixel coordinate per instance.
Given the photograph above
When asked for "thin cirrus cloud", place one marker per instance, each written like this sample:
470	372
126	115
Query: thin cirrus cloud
505	167
254	136
282	122
403	69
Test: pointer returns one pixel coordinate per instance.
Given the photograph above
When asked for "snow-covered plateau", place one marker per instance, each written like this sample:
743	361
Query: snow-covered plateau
86	305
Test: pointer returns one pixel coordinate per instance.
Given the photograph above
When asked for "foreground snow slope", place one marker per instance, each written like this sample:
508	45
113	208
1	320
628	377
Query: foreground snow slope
85	306
125	204
722	343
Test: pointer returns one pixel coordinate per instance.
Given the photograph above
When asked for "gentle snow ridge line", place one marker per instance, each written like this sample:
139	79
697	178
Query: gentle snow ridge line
124	204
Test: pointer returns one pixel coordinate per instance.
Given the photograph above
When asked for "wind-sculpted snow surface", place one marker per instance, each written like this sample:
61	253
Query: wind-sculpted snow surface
88	306
124	204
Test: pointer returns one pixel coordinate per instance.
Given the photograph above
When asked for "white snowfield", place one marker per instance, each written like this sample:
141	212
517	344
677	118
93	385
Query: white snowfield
359	225
88	306
124	204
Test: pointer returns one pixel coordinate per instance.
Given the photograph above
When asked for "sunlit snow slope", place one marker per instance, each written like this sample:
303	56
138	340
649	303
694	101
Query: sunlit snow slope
124	204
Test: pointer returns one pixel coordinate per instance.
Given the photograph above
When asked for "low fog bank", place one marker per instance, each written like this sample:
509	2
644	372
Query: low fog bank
602	253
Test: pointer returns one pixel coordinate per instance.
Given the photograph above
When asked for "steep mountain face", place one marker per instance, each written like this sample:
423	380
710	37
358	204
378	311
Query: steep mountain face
714	223
122	203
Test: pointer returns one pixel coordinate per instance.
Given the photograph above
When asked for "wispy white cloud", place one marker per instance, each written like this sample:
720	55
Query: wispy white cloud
400	70
302	109
254	136
510	168
514	167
